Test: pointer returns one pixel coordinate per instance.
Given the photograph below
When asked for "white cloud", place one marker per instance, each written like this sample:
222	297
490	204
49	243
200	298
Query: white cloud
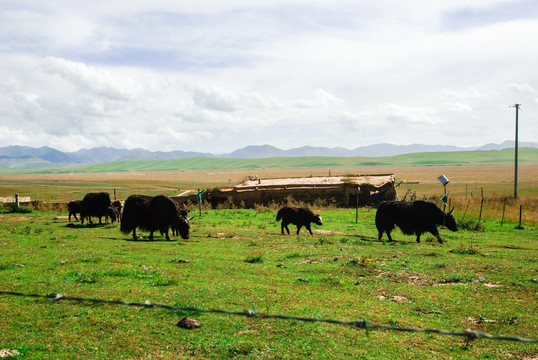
456	107
216	76
524	88
98	81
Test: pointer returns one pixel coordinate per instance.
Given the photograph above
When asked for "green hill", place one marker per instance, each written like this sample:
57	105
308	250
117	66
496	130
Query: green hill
456	158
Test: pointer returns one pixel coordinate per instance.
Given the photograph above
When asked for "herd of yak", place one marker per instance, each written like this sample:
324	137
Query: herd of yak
152	213
149	213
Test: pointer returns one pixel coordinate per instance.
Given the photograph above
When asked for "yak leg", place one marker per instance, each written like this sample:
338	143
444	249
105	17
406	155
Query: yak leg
418	237
283	226
165	230
435	233
151	235
388	235
308	228
299	228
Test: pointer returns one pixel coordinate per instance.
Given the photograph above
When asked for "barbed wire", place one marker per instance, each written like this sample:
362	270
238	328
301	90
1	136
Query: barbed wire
358	324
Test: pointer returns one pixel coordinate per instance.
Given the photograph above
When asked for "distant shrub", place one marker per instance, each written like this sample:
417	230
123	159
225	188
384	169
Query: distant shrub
163	280
21	210
470	225
470	249
85	277
324	240
361	261
228	203
253	259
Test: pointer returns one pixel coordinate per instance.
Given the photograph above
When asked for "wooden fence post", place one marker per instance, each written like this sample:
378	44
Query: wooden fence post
481	205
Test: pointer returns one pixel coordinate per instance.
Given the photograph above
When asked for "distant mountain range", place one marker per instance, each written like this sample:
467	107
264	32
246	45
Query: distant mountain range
24	157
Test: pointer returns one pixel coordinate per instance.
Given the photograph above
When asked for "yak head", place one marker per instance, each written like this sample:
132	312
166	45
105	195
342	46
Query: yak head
317	219
449	221
112	213
183	227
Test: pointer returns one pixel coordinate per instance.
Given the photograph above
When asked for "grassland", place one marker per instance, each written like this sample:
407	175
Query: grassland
237	260
459	158
471	174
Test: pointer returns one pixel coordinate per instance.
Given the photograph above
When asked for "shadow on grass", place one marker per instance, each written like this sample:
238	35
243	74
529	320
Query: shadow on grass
84	226
146	239
366	238
384	240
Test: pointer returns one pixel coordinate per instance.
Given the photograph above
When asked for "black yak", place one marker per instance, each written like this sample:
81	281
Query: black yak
97	204
297	216
74	208
415	217
151	214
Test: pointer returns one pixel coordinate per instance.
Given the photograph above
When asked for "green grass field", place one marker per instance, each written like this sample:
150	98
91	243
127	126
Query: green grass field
237	260
460	158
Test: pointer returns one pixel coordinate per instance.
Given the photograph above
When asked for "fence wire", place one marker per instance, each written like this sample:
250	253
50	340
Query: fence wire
357	324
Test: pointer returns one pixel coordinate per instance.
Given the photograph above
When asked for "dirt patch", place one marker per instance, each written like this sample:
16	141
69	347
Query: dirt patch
326	232
396	298
16	218
310	261
414	279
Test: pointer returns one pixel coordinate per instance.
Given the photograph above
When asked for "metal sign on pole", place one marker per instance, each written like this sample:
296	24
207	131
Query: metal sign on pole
443	180
200	192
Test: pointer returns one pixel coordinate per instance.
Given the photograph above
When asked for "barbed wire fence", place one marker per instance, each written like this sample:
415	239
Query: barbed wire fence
469	335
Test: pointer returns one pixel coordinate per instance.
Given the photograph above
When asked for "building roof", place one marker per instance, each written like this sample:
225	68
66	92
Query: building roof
375	180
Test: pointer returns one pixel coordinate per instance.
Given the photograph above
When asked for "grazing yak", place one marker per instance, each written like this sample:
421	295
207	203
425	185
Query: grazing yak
297	216
97	204
118	206
74	207
151	214
415	217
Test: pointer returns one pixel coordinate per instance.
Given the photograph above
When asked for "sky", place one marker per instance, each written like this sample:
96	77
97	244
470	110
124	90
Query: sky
215	76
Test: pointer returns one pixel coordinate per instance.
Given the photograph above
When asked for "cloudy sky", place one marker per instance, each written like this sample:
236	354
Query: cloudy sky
215	76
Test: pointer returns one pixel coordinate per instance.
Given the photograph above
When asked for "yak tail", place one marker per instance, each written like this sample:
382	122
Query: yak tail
124	228
127	223
279	215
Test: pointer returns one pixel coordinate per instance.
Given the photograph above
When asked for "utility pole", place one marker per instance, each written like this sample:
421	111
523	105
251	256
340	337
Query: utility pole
516	146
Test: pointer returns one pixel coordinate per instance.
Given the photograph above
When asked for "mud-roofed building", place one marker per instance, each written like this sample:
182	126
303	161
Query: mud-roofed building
322	190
